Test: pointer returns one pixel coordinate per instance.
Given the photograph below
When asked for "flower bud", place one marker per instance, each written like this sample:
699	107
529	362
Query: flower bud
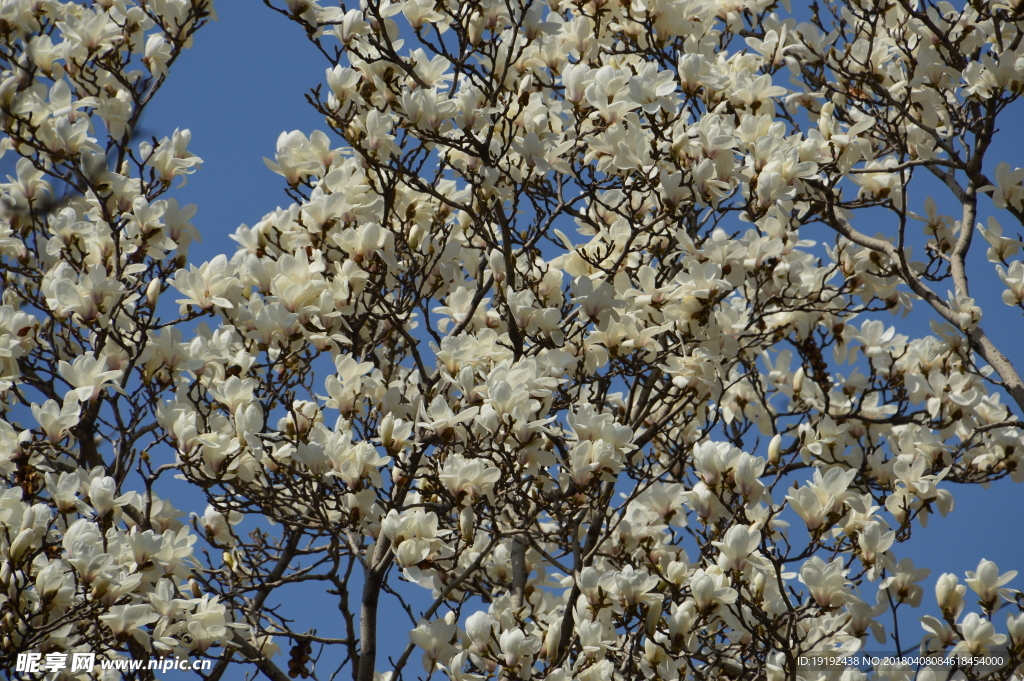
775	449
248	420
758	585
479	629
387	429
153	292
416	234
101	495
476	29
950	595
1015	627
467	523
651	621
24	541
496	261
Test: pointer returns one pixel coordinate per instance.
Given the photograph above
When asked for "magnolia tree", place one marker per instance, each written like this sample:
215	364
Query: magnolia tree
584	323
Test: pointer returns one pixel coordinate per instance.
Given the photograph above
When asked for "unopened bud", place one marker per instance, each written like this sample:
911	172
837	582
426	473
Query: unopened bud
950	595
759	584
153	292
467	524
416	235
387	428
651	621
496	261
476	29
775	449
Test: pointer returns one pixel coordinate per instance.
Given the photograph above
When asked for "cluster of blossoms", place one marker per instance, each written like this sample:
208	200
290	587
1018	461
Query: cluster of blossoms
542	333
88	563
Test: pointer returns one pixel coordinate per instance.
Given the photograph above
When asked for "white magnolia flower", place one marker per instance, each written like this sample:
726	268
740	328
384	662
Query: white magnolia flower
987	583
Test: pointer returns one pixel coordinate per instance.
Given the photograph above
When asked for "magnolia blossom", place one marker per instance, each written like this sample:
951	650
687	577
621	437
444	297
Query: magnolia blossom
987	583
586	324
434	638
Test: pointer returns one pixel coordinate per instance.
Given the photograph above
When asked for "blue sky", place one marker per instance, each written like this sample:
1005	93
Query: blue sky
244	83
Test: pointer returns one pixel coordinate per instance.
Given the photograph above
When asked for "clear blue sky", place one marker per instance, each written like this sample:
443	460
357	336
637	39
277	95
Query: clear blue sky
244	82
